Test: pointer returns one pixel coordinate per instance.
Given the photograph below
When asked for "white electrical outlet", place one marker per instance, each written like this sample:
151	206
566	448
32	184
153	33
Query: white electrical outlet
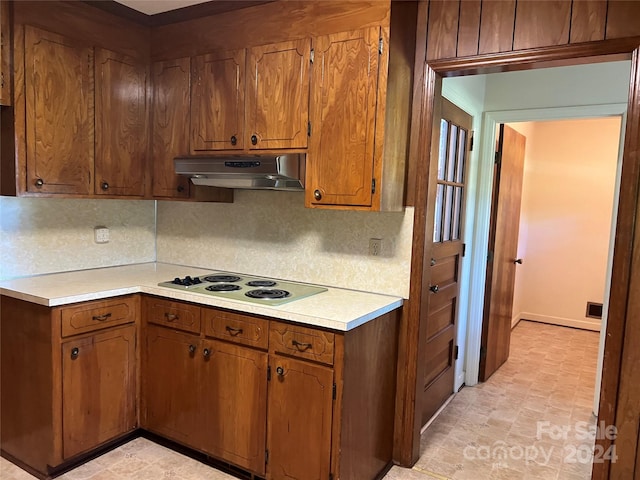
375	246
101	234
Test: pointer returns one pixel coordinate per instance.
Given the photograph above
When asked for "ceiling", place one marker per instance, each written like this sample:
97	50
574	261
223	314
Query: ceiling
152	7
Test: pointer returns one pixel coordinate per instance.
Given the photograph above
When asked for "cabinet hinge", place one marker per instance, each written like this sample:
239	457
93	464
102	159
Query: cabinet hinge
308	129
489	256
498	158
471	140
331	476
483	352
380	45
266	457
373	185
464	249
334	394
312	55
456	351
268	373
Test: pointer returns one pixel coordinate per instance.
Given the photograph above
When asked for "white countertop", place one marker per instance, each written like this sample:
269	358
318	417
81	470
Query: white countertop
337	308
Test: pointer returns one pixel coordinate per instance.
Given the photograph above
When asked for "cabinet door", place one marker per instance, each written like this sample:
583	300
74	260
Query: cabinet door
234	381
278	95
170	390
98	389
299	421
170	130
344	84
120	124
5	54
59	107
217	101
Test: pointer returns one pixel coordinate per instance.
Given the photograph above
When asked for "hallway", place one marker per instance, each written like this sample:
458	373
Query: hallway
528	421
545	388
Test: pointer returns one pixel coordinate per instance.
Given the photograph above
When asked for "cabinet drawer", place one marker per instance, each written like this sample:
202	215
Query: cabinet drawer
95	315
243	329
182	316
302	342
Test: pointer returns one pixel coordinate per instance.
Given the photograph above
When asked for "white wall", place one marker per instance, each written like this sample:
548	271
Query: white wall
567	203
45	235
272	234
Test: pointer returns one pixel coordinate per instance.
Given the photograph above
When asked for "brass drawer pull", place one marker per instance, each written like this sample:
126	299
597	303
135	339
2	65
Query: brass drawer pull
170	316
75	351
302	347
101	318
233	331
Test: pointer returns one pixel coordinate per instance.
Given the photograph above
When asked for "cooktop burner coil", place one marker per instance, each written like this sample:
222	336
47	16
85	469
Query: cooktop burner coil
267	293
222	278
261	283
223	287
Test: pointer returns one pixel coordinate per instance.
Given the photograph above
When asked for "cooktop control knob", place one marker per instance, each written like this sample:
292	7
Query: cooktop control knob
177	281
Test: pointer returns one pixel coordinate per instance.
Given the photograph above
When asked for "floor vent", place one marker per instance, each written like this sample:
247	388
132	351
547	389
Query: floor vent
594	310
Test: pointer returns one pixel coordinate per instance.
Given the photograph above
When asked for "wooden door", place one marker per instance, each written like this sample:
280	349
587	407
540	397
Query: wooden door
217	101
5	54
171	81
503	249
278	95
440	298
344	85
98	389
171	367
59	107
121	110
234	404
299	420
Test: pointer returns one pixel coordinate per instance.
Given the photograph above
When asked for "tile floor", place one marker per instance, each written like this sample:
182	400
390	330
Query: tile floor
529	421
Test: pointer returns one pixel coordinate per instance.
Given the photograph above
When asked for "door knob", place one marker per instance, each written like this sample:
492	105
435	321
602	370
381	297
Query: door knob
434	288
518	260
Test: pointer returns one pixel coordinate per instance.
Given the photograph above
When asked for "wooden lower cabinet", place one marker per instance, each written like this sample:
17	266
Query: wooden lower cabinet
300	419
98	389
63	395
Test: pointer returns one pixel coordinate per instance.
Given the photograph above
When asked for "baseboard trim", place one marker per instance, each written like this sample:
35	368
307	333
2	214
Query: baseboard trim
593	326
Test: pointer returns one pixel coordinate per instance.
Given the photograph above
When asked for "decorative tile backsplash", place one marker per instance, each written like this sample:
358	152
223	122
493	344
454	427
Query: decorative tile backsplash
44	235
271	234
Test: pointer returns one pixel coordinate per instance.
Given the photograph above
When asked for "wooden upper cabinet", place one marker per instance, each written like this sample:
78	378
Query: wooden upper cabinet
98	389
217	101
344	89
5	53
120	117
169	126
278	95
59	114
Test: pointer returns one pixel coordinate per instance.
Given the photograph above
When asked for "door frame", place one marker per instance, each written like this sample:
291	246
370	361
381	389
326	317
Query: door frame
479	247
427	87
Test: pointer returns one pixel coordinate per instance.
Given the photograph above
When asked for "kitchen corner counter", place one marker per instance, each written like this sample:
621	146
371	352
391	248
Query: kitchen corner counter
336	309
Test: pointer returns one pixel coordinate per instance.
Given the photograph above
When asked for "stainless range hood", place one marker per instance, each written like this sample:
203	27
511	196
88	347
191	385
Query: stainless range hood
257	172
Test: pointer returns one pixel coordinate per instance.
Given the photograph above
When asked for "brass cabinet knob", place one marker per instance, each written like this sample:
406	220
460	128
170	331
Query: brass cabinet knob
317	194
104	186
75	351
254	139
234	139
39	182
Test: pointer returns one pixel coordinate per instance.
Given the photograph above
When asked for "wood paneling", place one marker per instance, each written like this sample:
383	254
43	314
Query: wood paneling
623	19
98	389
59	109
170	132
469	28
5	53
121	121
278	95
542	23
263	24
217	101
496	26
442	36
588	19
